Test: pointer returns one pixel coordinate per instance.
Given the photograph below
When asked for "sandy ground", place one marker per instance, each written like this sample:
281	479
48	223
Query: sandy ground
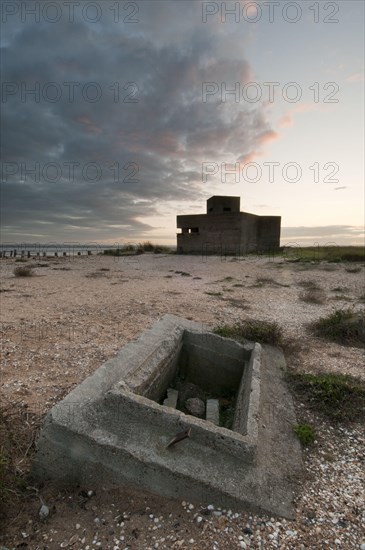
63	323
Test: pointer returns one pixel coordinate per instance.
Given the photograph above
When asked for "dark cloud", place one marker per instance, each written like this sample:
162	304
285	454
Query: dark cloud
161	62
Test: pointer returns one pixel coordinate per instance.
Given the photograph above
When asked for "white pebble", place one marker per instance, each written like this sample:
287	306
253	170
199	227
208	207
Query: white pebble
210	507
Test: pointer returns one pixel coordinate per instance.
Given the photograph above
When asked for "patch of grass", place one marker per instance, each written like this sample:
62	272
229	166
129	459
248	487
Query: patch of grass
147	246
312	285
238	285
353	269
265	332
23	260
18	432
185	274
265	281
328	253
162	249
214	293
306	433
339	289
23	271
261	281
342	298
313	296
338	396
104	269
343	326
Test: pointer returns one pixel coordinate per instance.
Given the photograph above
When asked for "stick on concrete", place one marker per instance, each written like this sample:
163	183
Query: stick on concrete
179	437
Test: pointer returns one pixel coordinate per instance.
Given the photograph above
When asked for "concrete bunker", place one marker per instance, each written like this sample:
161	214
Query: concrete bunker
224	229
115	428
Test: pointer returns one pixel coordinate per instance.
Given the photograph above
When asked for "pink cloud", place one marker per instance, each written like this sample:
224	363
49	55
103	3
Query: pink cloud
356	77
89	125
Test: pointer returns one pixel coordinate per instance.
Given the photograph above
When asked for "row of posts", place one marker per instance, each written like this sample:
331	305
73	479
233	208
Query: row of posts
23	254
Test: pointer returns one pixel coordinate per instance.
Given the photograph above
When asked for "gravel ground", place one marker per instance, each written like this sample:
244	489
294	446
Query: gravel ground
60	325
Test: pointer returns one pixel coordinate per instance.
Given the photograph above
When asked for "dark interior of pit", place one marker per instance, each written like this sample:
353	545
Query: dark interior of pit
204	370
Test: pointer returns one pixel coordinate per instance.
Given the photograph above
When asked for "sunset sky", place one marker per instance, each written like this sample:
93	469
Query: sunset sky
131	121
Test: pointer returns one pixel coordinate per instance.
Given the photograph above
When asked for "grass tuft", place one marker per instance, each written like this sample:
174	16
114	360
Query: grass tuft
313	296
23	271
264	332
353	269
343	326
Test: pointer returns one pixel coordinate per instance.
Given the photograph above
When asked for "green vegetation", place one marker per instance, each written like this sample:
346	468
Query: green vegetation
214	293
343	326
305	433
337	396
324	253
23	271
265	332
135	249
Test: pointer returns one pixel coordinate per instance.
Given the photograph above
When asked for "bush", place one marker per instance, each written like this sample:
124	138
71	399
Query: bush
264	332
344	326
147	246
23	271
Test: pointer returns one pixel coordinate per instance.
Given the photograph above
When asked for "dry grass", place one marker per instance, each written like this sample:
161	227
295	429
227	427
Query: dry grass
18	431
313	296
23	271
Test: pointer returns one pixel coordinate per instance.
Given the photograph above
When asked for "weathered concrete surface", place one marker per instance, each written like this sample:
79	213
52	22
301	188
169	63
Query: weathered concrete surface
212	411
109	432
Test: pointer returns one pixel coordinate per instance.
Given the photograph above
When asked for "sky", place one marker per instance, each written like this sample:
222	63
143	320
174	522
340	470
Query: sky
118	116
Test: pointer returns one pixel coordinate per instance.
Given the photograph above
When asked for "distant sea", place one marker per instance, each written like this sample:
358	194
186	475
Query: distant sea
71	249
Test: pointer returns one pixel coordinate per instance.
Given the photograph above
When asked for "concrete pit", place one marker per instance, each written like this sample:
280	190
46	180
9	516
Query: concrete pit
115	428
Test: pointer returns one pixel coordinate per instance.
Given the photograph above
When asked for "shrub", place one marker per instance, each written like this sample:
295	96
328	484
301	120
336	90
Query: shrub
147	246
23	271
265	332
305	433
343	326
